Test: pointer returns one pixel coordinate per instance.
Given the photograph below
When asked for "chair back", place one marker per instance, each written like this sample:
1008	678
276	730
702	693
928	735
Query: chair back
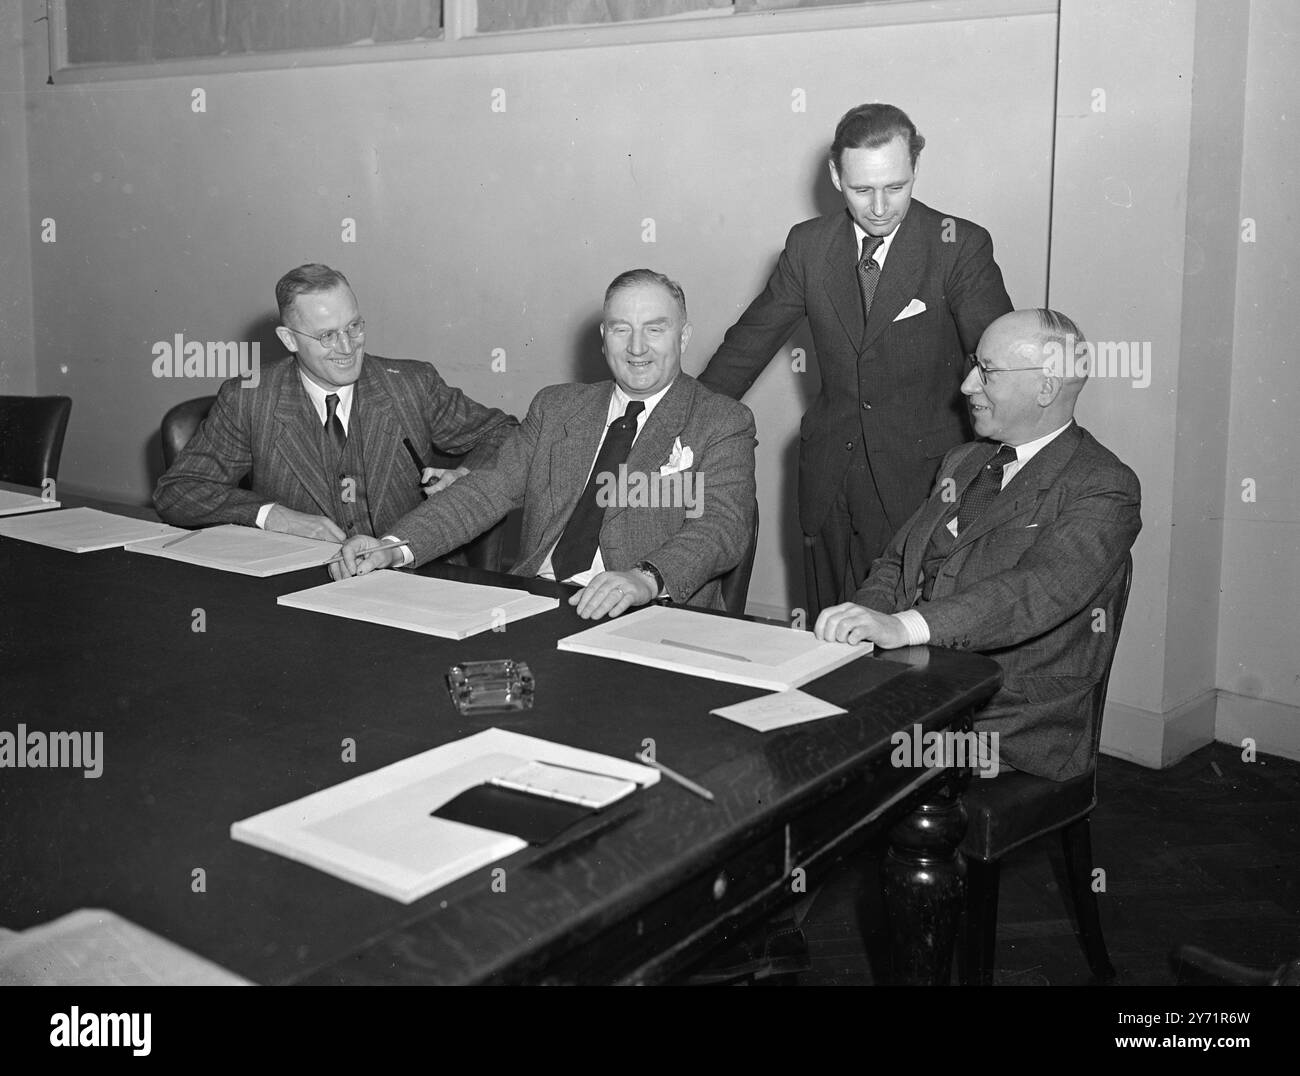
31	437
1115	615
735	583
181	423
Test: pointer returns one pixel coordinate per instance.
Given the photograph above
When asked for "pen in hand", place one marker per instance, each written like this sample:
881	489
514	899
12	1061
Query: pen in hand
366	552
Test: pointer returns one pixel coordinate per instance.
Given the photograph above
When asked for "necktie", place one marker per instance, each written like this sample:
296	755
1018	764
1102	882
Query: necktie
576	548
334	425
983	488
868	273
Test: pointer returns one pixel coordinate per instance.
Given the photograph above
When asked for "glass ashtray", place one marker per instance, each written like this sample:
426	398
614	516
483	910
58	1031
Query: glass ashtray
478	687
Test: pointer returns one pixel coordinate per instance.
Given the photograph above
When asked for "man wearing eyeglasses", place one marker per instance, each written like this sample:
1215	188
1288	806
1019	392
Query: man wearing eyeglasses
1019	552
321	437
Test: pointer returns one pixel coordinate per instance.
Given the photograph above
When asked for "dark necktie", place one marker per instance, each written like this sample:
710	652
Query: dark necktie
868	273
334	425
576	548
983	488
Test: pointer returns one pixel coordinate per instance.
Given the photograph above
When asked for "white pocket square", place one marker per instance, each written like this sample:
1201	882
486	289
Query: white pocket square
911	310
679	459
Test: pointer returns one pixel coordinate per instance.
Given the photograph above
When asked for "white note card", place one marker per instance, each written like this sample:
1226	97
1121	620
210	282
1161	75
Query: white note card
769	712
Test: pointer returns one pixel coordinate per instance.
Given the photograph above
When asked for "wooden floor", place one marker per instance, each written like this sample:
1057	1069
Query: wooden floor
1204	853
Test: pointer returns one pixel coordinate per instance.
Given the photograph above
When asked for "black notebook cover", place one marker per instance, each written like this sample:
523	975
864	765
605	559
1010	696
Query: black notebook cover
535	819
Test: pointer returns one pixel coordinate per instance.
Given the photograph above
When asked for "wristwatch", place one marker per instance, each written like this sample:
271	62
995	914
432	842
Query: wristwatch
654	573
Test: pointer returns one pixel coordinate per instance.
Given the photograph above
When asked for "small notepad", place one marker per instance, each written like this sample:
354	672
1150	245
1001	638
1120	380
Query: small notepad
594	790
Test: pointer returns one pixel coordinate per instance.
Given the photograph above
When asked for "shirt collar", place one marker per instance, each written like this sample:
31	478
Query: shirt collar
619	401
882	251
317	396
1030	449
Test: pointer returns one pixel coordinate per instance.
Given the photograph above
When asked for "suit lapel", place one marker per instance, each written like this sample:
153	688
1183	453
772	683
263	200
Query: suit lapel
298	445
899	279
654	443
381	434
841	277
1023	491
572	456
918	541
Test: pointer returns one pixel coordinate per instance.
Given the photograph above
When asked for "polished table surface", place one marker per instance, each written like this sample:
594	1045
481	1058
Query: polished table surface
203	728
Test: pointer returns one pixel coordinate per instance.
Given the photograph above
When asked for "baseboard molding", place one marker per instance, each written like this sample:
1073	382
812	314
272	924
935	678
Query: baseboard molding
1274	726
1158	740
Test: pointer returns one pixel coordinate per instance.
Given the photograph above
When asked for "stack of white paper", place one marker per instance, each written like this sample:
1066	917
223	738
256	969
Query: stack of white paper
418	603
82	530
246	550
13	503
376	830
719	648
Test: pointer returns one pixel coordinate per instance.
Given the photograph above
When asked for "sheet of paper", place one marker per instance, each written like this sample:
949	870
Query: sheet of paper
376	831
94	947
439	607
13	503
82	530
719	648
778	711
246	550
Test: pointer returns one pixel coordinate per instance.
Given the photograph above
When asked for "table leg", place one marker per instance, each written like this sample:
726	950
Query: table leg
923	880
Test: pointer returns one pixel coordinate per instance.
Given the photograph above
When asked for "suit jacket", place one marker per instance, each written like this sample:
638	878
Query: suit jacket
1022	584
271	430
544	465
892	385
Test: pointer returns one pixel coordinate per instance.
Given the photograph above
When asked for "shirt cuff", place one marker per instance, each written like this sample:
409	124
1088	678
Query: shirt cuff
918	631
262	513
405	557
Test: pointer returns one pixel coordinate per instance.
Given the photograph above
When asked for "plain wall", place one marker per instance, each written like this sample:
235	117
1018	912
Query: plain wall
1259	621
480	230
18	220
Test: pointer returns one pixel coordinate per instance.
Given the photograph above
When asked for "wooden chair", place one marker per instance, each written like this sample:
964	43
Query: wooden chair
1016	808
31	437
735	583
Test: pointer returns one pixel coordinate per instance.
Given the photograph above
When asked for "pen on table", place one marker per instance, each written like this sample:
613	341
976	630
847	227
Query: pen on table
673	775
372	549
177	541
415	456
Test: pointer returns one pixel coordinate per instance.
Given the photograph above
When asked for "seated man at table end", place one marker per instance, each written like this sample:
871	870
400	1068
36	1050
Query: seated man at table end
1016	548
322	432
640	488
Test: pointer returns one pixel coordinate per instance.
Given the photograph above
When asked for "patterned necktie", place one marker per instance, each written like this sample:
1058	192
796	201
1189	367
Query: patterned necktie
334	425
576	548
983	488
868	273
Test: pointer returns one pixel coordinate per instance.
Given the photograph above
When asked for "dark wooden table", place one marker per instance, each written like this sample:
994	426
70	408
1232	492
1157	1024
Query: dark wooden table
202	728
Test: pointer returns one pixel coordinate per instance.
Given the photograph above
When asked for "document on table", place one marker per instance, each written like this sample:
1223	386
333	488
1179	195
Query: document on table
780	710
719	648
419	603
377	831
13	503
246	550
82	530
94	947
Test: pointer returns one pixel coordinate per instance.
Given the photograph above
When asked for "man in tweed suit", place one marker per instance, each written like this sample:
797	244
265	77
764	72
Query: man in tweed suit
322	433
667	519
1030	576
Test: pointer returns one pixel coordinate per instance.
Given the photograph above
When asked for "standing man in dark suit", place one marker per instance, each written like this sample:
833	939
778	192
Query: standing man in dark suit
322	433
1020	551
640	488
896	295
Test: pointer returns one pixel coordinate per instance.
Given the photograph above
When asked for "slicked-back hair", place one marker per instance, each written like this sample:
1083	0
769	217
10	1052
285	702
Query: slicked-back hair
306	280
636	277
872	126
1061	330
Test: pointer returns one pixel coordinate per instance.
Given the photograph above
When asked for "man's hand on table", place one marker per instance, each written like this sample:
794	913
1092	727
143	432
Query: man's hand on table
357	561
287	521
850	623
611	593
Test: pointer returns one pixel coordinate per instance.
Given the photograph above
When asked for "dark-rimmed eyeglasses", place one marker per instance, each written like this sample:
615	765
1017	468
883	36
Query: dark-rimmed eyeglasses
354	330
975	364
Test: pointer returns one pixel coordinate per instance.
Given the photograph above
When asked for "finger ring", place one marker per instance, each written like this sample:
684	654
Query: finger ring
619	589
